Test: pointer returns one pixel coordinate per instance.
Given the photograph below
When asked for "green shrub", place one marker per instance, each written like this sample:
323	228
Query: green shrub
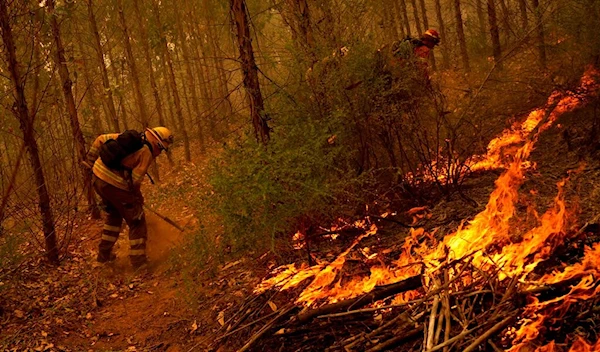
262	191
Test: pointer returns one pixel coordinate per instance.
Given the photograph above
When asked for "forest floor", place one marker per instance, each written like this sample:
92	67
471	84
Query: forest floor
83	306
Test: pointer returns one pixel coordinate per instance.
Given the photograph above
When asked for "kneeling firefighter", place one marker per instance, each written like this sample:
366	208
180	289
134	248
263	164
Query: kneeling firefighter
119	163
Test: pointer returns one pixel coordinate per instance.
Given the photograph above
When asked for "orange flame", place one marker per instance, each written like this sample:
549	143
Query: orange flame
489	238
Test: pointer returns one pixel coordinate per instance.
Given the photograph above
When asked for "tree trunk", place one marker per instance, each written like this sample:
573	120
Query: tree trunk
404	11
202	67
301	13
250	70
535	4
173	83
442	29
494	33
195	114
481	19
389	28
226	109
26	124
121	111
139	97
523	14
36	59
413	3
398	15
460	32
505	18
63	72
108	96
148	59
90	89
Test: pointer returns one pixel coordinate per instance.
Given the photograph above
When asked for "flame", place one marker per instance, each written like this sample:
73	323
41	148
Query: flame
490	237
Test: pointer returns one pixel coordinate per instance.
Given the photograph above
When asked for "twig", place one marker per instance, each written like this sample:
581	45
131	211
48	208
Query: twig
368	310
401	286
245	326
395	340
432	319
264	329
11	182
499	326
496	348
458	337
446	303
404	316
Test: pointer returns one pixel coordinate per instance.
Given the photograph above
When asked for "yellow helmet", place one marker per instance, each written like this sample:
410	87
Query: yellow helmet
164	137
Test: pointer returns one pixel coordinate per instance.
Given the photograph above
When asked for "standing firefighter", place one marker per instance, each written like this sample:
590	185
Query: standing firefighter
413	48
120	162
403	68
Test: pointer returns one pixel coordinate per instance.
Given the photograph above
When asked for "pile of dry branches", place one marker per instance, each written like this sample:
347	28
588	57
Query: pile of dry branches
459	307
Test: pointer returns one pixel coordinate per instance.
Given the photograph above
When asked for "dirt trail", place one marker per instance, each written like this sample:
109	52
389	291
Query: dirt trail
145	312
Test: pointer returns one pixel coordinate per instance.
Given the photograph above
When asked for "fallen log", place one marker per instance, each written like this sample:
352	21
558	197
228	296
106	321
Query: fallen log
411	283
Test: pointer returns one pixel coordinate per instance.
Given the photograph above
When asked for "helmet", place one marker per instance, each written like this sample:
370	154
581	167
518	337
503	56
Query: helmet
164	137
433	34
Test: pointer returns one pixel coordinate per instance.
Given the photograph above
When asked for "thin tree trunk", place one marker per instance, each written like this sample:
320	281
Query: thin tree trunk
523	14
424	14
26	124
302	15
36	62
250	71
173	83
67	84
541	46
184	85
148	59
139	97
227	106
195	114
481	19
207	89
442	29
505	18
108	96
90	94
460	32
211	50
404	11
122	111
413	3
398	15
390	33
494	32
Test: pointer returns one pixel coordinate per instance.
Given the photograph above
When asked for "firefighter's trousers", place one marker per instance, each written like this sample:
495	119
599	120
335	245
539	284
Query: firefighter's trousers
122	205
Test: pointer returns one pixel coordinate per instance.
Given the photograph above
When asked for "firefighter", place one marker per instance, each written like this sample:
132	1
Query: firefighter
411	49
119	186
428	41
